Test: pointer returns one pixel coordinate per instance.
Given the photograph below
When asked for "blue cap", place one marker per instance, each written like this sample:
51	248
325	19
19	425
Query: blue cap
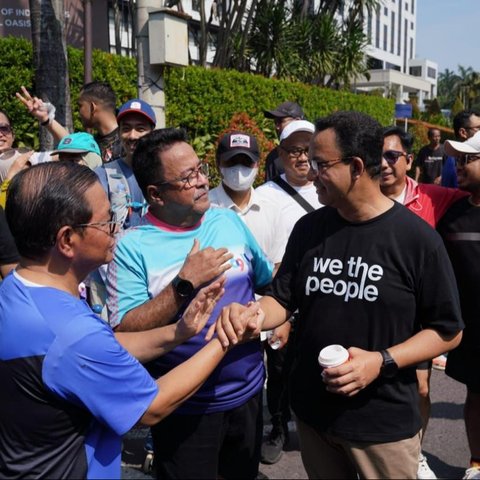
81	142
137	106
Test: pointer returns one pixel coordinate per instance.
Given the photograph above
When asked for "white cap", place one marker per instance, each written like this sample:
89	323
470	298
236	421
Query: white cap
296	126
472	145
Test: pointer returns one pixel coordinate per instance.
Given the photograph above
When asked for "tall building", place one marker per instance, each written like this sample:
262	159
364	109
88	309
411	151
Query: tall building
391	58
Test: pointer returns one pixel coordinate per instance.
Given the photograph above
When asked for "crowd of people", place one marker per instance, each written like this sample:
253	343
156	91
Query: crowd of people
135	292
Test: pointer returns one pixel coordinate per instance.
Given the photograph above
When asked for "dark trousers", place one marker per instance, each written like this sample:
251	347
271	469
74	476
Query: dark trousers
225	444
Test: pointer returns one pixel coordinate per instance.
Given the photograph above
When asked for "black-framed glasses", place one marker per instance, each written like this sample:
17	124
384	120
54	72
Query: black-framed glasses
467	158
392	156
321	167
191	179
5	128
113	223
295	152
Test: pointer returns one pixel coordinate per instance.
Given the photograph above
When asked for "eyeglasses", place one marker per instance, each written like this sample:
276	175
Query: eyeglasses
112	224
317	166
295	152
391	156
467	158
5	129
191	179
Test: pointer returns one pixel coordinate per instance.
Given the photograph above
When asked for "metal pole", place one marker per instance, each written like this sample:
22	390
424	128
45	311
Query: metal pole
87	41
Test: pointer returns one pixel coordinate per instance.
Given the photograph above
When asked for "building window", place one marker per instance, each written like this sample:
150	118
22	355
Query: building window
369	28
392	34
196	5
405	46
431	73
416	71
413	6
385	38
406	6
385	10
411	25
411	48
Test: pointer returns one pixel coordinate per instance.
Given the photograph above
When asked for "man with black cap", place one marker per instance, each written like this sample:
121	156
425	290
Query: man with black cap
237	160
285	113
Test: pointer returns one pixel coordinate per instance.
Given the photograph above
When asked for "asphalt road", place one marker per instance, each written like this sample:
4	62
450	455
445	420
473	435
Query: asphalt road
445	443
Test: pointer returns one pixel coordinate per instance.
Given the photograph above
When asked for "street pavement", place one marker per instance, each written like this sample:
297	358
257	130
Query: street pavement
445	443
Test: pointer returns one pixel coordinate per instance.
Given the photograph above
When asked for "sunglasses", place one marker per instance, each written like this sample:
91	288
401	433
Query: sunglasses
391	156
5	129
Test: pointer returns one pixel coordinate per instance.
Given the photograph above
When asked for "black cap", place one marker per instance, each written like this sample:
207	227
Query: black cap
286	109
236	143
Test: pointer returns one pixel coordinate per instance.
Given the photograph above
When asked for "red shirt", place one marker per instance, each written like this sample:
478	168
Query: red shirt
428	201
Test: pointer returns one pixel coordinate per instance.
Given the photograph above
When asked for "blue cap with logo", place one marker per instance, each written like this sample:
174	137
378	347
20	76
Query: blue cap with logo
80	142
137	106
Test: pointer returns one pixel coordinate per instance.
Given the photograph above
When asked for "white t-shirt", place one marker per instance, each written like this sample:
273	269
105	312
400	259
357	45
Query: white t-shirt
262	217
291	210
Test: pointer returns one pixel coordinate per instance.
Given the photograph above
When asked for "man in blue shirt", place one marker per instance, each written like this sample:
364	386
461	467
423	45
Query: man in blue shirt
70	389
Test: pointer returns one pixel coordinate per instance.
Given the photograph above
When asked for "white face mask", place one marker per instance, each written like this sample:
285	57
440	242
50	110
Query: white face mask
238	177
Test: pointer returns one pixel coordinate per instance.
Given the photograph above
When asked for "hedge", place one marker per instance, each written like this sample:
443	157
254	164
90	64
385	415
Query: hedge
201	100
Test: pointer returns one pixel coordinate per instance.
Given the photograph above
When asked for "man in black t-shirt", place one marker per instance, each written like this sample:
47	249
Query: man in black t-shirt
460	230
365	273
429	162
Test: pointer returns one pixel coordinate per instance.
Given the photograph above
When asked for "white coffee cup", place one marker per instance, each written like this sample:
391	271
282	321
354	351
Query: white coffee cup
333	356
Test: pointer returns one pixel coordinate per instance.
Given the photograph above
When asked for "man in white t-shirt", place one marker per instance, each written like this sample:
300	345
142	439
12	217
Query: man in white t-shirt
237	160
294	195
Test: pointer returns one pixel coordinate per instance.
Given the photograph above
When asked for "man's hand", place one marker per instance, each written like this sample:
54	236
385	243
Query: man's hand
202	266
199	310
35	105
438	180
20	163
281	334
238	324
351	377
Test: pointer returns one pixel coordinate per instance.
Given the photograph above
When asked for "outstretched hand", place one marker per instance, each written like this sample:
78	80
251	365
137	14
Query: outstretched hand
200	308
238	324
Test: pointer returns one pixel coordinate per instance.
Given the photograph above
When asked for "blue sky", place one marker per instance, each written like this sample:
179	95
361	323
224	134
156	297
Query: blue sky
447	32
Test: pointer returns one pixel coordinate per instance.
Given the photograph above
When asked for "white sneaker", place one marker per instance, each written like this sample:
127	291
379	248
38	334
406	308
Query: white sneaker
473	472
424	472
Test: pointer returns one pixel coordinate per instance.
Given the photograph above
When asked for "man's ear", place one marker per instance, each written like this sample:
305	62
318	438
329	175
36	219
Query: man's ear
409	160
155	195
65	242
357	167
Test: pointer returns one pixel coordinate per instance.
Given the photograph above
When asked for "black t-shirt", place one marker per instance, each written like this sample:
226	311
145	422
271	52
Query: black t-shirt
370	285
430	162
460	230
110	146
8	250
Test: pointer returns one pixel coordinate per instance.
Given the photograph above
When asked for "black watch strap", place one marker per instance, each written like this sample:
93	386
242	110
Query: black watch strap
389	367
183	288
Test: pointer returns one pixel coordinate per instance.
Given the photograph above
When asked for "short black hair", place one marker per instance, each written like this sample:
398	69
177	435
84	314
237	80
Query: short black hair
7	117
431	131
406	138
100	92
462	120
44	198
146	162
357	135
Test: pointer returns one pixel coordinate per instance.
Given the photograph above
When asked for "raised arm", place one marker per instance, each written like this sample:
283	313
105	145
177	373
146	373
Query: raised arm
38	109
151	344
199	268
